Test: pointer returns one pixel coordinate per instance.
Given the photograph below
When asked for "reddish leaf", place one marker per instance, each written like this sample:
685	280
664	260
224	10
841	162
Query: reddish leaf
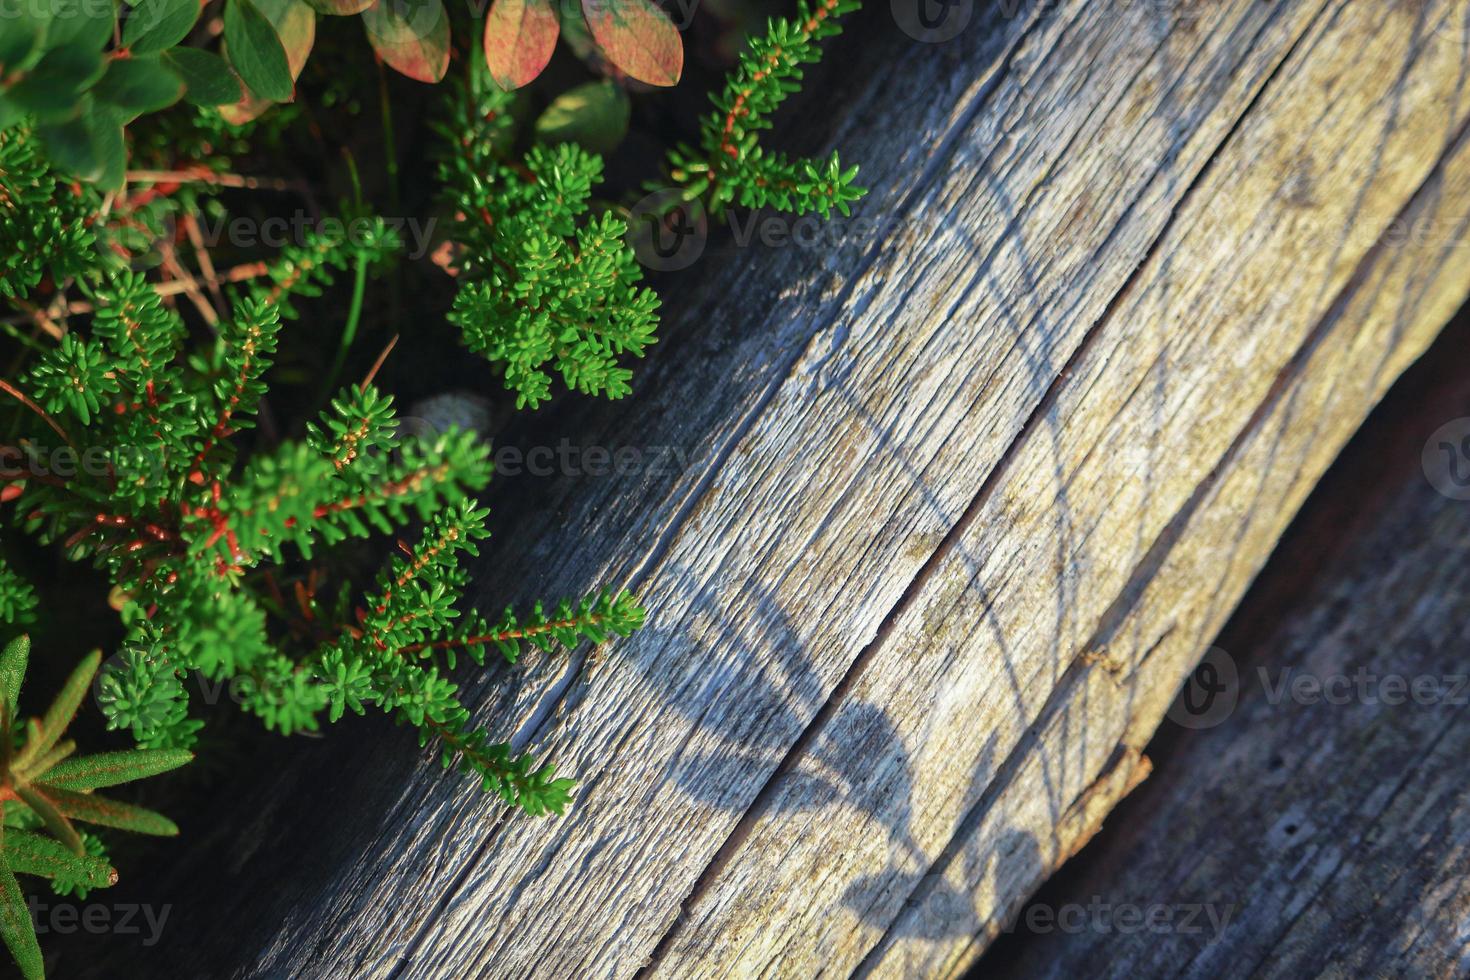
519	38
638	37
296	25
412	36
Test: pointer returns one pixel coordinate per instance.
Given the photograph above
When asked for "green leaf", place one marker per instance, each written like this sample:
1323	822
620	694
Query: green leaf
59	752
18	41
594	115
89	146
139	85
412	36
10	113
100	810
13	670
32	854
73	146
87	23
107	129
51	816
52	91
155	25
254	48
18	930
295	25
208	80
637	37
111	768
520	36
341	8
62	710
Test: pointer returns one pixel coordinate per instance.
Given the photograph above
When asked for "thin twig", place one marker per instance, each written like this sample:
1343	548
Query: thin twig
206	263
191	286
373	372
239	273
202	176
25	400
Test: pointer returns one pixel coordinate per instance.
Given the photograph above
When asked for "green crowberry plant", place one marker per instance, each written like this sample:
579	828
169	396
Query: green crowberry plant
548	285
150	446
201	547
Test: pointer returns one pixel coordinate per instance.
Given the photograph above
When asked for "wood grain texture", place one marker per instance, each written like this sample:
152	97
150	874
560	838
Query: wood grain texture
1327	830
955	508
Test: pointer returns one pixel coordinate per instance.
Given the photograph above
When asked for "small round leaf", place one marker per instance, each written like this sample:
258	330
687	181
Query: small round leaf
155	25
638	38
412	36
207	79
256	52
138	85
520	36
594	115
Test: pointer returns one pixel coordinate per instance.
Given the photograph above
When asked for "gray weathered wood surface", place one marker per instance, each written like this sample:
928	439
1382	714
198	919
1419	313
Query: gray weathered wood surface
1317	810
959	506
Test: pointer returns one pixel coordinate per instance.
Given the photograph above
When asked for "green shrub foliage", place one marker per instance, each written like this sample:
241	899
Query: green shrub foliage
315	564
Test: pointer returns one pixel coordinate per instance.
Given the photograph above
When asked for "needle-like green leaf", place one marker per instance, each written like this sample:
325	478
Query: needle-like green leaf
17	930
111	768
104	812
32	854
13	670
52	817
62	710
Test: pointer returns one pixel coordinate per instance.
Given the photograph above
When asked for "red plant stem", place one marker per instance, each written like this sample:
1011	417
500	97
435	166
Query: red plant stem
738	109
516	634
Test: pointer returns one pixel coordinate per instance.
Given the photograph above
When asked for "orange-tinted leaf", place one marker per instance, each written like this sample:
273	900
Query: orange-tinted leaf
638	37
295	24
412	36
520	36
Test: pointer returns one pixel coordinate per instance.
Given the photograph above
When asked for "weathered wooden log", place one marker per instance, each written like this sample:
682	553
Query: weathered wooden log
957	505
1309	817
